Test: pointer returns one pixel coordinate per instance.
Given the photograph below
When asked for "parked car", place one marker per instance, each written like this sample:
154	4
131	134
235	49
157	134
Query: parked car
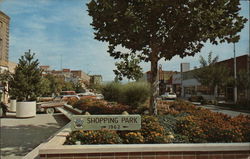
90	95
66	97
99	96
86	94
49	107
169	95
196	99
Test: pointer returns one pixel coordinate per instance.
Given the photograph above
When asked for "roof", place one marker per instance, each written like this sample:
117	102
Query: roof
4	15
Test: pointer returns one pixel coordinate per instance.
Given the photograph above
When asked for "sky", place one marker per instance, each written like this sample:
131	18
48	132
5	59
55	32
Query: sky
60	34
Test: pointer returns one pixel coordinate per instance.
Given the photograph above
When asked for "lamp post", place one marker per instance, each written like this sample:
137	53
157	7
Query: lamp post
235	78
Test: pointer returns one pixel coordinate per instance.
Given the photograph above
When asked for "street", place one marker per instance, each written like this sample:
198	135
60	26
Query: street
223	110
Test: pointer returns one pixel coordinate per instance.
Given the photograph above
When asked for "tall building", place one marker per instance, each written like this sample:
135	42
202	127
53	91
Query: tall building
4	40
95	79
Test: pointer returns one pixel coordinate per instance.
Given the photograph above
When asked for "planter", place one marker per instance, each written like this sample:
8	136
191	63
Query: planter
26	109
55	148
13	105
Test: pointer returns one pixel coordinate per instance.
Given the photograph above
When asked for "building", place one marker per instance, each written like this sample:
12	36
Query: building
95	79
12	66
67	75
4	52
82	76
176	84
190	86
164	78
4	40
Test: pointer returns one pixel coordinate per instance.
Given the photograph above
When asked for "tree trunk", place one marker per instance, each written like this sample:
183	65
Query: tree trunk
154	85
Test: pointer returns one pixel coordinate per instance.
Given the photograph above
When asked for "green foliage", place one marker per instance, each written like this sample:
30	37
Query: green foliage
132	138
152	131
152	30
46	89
212	74
243	80
67	86
133	94
95	106
93	137
52	85
78	88
128	68
26	83
194	124
189	125
112	91
5	76
97	88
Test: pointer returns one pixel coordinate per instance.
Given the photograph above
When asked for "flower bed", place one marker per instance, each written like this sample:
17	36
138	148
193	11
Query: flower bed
182	122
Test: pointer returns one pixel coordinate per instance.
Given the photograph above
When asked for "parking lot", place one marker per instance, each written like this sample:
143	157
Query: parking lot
20	136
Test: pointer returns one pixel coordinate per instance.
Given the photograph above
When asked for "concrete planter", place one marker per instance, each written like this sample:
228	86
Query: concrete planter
13	105
26	109
55	148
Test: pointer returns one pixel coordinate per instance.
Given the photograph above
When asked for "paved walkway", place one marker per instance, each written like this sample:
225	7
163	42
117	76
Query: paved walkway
224	110
20	136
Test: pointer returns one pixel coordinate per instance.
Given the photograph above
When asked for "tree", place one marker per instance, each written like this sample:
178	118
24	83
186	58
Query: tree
243	82
46	89
152	29
26	83
67	86
5	77
129	68
212	74
55	84
78	88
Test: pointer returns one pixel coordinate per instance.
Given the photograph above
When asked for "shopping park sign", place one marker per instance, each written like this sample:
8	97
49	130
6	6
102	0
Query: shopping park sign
111	122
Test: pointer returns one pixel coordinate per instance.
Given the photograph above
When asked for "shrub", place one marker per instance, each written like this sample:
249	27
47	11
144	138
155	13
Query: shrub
133	94
189	126
202	125
243	123
152	131
168	122
93	137
112	91
95	106
71	101
132	138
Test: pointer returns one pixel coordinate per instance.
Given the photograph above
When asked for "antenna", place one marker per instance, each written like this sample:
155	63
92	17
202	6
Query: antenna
61	62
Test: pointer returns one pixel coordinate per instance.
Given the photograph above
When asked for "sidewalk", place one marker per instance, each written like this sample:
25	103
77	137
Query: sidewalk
223	110
20	136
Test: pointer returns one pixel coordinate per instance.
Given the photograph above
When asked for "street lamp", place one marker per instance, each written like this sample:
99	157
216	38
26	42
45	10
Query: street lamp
235	78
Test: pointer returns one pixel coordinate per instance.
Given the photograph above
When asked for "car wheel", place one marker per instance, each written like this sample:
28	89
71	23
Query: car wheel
50	110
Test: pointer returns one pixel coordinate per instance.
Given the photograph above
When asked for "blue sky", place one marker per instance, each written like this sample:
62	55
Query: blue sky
61	28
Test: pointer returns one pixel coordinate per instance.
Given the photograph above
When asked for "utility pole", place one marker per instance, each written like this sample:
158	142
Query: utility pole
61	61
235	78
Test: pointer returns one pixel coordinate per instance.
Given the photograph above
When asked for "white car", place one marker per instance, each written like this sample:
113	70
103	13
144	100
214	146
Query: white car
96	95
86	94
169	95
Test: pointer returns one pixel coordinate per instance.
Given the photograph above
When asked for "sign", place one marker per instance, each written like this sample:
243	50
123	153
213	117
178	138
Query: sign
111	122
